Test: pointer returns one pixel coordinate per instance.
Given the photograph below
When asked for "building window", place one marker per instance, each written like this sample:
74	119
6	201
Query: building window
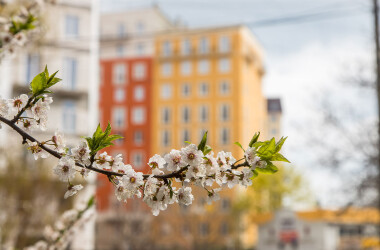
186	47
166	91
204	229
138	115
203	89
224	65
139	71
203	45
185	114
139	93
224	136
166	69
138	137
137	160
119	73
166	115
185	136
224	112
165	138
69	117
118	117
166	48
71	26
203	113
119	95
203	67
121	30
140	49
120	50
224	88
185	90
224	44
70	73
140	27
33	67
186	68
224	228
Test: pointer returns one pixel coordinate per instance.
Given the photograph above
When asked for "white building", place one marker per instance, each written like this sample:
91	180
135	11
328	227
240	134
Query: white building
130	33
69	43
286	231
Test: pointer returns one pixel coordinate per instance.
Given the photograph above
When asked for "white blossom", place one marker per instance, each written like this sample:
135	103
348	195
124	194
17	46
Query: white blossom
18	103
213	195
174	160
156	161
117	161
223	161
196	172
185	196
19	39
250	156
72	190
59	142
37	151
65	168
231	178
246	177
191	155
103	161
261	164
132	181
81	153
121	168
29	124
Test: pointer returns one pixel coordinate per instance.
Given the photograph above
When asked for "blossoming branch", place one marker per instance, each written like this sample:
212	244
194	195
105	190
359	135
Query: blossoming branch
192	165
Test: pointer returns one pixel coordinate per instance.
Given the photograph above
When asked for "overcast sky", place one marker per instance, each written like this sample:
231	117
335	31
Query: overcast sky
308	46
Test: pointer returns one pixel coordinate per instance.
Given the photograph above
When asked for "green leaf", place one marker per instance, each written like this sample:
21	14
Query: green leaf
207	150
238	143
255	174
101	139
91	201
267	150
202	144
279	157
37	86
254	139
280	143
269	169
187	142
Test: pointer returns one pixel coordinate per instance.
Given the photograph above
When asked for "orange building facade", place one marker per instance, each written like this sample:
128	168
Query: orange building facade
125	91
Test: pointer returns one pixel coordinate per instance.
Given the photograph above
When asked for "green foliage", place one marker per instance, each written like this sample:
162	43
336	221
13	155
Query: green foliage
42	82
270	168
28	24
239	145
254	139
101	139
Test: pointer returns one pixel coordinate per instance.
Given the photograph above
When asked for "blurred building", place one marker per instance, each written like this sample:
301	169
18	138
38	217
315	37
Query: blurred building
274	122
127	51
352	229
205	79
68	42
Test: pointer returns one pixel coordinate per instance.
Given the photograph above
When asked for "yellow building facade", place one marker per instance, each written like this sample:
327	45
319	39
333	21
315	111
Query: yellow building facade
205	80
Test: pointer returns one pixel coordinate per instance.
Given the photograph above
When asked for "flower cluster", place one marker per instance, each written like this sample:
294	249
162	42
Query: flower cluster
15	29
193	165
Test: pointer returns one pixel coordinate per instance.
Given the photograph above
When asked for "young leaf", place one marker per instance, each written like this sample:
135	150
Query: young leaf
269	169
280	143
202	144
38	83
279	157
255	174
254	139
207	150
238	143
267	150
